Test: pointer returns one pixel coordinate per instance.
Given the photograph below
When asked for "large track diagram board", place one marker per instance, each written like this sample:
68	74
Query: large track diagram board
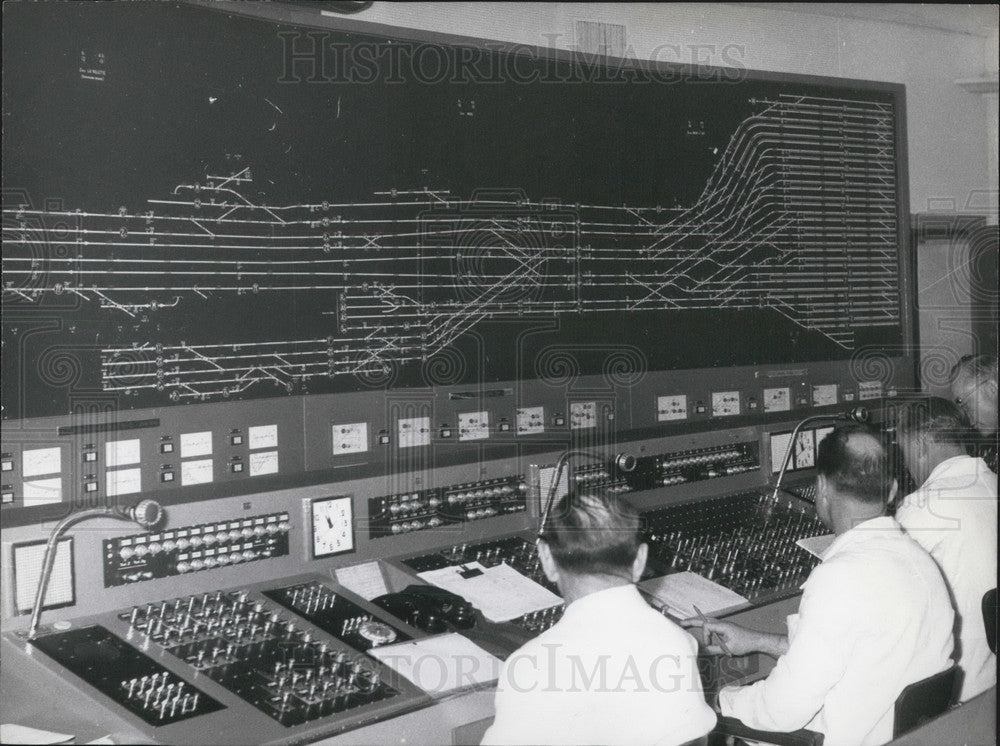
199	207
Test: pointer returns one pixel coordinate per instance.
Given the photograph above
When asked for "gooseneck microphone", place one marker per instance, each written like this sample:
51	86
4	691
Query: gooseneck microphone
855	414
145	513
621	462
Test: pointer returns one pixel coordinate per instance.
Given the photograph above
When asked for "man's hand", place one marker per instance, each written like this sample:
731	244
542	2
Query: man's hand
736	640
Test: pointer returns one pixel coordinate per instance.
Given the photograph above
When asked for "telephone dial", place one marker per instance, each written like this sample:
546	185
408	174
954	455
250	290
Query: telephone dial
429	608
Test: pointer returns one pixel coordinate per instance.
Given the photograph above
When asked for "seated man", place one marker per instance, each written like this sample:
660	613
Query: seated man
874	615
613	670
974	386
954	517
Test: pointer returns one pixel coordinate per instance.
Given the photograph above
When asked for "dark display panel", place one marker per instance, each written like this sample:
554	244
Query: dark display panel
199	206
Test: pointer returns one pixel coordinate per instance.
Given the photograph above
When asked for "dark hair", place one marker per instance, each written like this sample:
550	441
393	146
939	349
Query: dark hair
936	418
853	469
981	368
592	531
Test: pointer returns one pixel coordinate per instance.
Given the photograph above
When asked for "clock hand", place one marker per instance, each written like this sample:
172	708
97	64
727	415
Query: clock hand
328	521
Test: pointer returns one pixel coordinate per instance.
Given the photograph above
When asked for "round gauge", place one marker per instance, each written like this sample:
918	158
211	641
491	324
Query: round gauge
377	633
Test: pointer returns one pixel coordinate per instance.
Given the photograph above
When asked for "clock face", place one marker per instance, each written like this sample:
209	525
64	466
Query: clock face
332	526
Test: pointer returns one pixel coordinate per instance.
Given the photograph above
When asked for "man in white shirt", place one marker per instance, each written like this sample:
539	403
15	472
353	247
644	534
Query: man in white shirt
612	670
954	517
874	615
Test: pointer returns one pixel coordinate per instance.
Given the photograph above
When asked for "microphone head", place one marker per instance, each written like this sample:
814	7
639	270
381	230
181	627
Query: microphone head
147	513
857	414
624	462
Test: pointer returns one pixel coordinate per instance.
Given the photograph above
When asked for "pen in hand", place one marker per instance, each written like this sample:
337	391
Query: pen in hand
704	620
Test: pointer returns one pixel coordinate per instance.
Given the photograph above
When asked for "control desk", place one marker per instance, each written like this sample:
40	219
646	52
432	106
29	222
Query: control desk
253	617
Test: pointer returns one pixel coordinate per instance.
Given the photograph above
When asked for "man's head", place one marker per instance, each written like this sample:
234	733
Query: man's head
974	388
928	432
592	533
853	480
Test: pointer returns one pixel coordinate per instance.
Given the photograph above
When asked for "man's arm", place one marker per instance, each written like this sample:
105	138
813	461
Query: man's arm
734	639
815	660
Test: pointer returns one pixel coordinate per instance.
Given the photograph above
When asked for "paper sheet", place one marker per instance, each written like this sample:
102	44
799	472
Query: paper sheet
682	591
500	592
365	579
196	444
122	452
41	491
196	472
817	545
38	461
123	481
13	733
440	664
263	462
262	436
28	560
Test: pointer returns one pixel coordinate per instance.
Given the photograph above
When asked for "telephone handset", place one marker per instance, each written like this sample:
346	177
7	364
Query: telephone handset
429	608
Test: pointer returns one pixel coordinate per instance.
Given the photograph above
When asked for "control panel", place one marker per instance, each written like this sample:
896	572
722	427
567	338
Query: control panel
674	467
225	447
431	508
126	675
139	557
337	615
743	541
279	665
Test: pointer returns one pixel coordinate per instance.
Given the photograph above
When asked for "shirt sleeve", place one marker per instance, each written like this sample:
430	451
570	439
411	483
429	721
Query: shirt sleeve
693	718
791	696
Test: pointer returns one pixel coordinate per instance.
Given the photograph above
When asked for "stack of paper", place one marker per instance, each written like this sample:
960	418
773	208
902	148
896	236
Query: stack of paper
501	593
440	664
681	592
365	579
817	545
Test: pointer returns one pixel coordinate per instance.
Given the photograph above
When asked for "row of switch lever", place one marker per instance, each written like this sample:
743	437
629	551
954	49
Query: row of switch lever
157	693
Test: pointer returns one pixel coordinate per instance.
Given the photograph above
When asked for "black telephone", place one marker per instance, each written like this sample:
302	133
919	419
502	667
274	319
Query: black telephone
429	608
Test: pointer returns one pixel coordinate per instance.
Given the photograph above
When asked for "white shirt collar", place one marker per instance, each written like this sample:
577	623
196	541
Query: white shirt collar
609	598
862	532
963	463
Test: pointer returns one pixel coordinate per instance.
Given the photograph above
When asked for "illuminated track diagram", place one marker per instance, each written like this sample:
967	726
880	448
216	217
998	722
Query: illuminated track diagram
798	216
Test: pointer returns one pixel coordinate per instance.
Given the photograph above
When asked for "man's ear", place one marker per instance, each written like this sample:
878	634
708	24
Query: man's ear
923	445
990	389
893	492
548	563
639	563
